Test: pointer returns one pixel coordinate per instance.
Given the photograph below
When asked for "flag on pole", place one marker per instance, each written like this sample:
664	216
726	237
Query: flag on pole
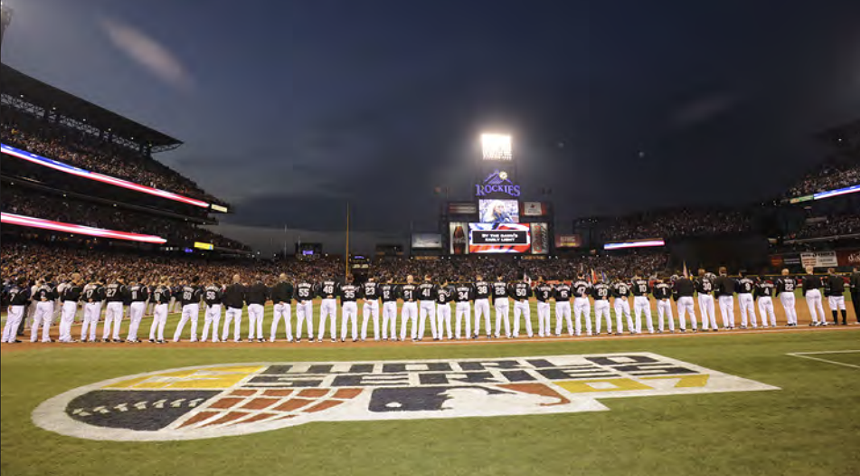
686	274
593	276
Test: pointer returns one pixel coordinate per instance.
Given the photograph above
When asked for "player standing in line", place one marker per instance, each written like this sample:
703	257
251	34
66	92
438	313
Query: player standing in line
854	286
388	291
304	295
785	287
835	290
521	291
600	292
683	290
349	295
19	296
213	297
61	287
409	312
482	306
812	291
543	293
327	291
561	295
620	293
662	293
115	296
763	293
282	298
256	295
581	305
234	301
724	288
745	287
444	294
94	294
176	299
70	297
705	288
641	304
370	309
427	306
464	293
502	306
190	300
44	298
161	296
138	293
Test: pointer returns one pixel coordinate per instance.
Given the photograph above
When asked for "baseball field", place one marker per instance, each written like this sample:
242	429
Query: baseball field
777	401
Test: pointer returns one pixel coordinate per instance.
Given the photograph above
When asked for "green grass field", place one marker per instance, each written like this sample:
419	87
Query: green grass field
809	427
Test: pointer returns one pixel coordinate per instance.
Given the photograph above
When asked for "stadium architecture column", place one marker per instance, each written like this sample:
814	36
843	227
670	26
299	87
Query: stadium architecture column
6	19
495	220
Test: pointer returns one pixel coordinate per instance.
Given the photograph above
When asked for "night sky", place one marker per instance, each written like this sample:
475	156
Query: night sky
290	109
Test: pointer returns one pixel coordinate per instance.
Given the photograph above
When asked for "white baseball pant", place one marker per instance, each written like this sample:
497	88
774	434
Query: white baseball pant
92	313
788	304
443	317
42	318
502	312
522	308
464	313
543	319
482	308
67	318
706	309
409	313
113	316
426	309
135	314
305	316
562	311
641	304
389	320
813	301
350	313
836	303
13	320
747	307
765	308
601	310
159	319
370	310
189	312
685	305
664	309
622	308
582	307
727	311
255	321
328	308
232	316
211	319
281	311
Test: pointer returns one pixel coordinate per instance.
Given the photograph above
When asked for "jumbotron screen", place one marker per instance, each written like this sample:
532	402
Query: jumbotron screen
499	238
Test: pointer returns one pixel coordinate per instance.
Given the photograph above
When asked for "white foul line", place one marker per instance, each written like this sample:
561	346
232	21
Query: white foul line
806	355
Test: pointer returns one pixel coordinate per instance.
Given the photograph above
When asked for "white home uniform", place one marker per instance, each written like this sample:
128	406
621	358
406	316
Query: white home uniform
443	311
581	306
70	297
233	299
115	294
409	312
93	296
663	295
388	292
521	291
370	309
562	308
641	304
304	295
45	297
161	297
785	287
764	292
213	298
463	294
835	291
745	287
502	306
138	294
18	299
600	292
683	290
812	291
482	307
707	308
327	290
282	299
427	308
349	294
543	293
190	300
621	303
58	303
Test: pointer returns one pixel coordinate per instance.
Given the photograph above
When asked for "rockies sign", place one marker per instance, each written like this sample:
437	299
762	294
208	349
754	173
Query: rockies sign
497	183
236	399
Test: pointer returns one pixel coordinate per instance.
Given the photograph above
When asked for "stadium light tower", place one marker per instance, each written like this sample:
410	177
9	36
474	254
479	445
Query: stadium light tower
6	18
496	147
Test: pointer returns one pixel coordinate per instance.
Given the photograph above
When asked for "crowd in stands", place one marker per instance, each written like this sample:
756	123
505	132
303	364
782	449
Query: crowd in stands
91	153
23	201
831	226
675	223
830	176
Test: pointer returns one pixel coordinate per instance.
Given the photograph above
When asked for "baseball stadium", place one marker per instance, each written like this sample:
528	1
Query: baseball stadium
515	327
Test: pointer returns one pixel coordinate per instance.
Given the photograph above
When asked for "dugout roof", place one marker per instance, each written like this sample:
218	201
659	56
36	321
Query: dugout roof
26	88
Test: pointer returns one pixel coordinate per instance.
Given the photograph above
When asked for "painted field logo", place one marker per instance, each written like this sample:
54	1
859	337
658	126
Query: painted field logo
235	399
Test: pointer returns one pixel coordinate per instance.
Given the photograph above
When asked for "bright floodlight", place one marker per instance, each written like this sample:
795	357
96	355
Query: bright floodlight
496	146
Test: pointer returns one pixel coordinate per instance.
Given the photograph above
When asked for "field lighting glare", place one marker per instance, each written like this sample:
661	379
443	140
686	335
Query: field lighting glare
496	146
